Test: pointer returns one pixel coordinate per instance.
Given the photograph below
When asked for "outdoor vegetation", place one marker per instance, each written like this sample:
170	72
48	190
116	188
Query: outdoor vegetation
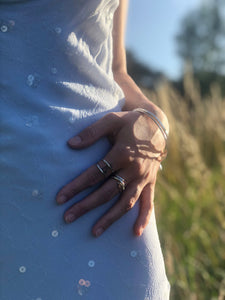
190	192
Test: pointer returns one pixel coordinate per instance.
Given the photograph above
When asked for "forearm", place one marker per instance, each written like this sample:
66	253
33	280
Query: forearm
134	97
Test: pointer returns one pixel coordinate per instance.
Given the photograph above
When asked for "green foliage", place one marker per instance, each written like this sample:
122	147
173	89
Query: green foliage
190	192
201	43
201	39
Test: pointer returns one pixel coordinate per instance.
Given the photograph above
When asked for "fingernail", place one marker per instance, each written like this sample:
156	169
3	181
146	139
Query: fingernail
99	231
69	218
61	199
140	231
75	141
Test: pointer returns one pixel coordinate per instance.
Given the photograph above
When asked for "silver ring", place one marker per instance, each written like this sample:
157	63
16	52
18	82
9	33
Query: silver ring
100	169
104	169
121	183
108	164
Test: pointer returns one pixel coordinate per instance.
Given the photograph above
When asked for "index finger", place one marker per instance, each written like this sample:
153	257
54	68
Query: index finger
93	175
94	132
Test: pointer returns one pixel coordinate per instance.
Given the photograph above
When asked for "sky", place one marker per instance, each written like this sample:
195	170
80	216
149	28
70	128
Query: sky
151	29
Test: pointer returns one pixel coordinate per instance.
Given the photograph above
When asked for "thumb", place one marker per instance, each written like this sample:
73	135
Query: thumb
103	127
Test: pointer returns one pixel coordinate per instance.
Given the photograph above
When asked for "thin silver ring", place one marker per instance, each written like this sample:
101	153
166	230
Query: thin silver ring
100	169
108	164
104	170
121	183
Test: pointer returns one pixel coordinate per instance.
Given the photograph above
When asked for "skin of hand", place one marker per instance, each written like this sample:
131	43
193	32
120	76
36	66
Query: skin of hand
137	149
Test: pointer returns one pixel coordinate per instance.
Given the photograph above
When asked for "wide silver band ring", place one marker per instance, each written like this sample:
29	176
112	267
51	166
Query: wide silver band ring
104	170
121	182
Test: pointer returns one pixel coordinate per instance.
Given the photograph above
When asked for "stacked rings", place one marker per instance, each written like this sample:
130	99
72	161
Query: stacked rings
121	183
105	169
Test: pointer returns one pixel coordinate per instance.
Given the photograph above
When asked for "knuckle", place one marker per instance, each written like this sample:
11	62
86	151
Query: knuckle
138	168
109	116
127	152
123	152
112	116
81	208
89	132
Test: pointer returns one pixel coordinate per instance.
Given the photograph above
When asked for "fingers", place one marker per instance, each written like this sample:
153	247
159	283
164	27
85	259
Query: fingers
88	178
97	198
145	210
112	187
127	200
130	155
102	195
116	158
105	126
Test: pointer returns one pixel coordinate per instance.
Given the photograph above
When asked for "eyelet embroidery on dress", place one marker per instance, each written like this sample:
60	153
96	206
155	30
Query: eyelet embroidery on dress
31	121
22	269
6	26
33	80
133	253
55	233
83	286
58	30
35	193
91	263
54	70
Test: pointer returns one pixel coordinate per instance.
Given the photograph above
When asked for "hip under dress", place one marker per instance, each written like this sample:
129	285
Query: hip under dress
55	80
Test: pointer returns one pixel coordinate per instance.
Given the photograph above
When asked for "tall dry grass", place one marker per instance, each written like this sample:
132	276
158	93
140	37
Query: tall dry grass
190	193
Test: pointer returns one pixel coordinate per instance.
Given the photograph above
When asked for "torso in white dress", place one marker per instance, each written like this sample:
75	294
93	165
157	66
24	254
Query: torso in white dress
55	79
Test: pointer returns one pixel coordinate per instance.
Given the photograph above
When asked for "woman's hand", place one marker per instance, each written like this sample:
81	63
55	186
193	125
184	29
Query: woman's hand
137	149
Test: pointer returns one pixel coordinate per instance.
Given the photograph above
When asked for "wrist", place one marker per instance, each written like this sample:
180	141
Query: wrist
155	119
162	117
135	98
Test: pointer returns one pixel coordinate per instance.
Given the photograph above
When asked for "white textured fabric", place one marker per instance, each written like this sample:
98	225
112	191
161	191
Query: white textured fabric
56	79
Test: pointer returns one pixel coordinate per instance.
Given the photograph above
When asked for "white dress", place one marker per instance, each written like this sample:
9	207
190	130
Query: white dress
56	79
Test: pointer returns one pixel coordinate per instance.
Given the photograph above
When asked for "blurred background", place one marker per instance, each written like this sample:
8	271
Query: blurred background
176	54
